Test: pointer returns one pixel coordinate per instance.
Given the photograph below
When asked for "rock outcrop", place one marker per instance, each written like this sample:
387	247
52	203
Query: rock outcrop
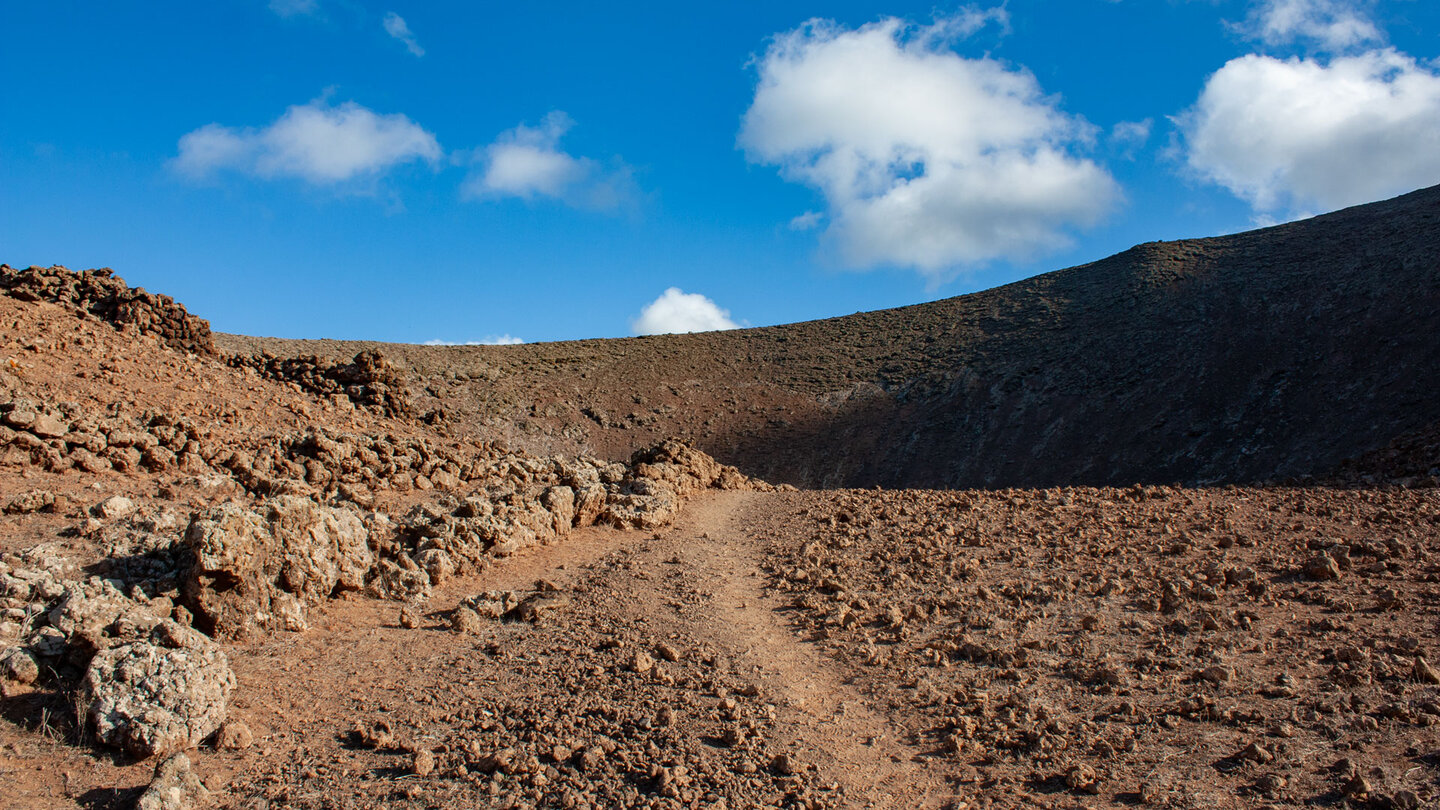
368	380
254	569
106	296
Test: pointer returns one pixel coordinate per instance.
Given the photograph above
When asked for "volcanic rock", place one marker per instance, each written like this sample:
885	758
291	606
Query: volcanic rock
158	695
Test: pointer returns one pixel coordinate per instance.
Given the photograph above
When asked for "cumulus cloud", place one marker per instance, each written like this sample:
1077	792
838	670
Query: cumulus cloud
315	142
1302	133
677	311
1333	24
527	162
292	8
493	340
924	158
395	26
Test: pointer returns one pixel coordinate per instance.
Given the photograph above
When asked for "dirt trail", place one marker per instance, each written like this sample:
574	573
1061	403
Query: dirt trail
699	579
828	721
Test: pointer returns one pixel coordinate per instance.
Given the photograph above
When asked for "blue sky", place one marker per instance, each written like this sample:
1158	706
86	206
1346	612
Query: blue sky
466	172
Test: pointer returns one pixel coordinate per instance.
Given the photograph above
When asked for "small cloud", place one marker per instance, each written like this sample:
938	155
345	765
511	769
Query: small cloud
395	26
1333	24
295	8
493	340
1129	136
527	162
315	142
676	311
808	221
964	24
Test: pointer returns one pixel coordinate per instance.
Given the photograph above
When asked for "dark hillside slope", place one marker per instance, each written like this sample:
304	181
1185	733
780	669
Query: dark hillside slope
1269	354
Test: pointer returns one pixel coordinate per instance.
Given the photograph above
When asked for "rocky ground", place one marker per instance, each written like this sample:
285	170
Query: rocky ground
255	582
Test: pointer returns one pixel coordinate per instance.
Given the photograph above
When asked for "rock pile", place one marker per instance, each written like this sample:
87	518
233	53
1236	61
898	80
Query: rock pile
523	501
108	297
61	436
368	380
150	685
352	467
259	568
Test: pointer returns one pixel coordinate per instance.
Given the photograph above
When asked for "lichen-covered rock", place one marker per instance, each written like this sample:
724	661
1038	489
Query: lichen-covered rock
94	615
114	507
36	500
400	579
17	664
252	569
175	787
161	693
437	564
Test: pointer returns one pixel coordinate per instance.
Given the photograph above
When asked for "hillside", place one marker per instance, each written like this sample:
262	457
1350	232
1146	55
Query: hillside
350	575
1271	354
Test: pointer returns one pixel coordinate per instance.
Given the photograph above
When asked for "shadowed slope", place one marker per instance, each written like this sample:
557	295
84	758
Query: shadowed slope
1273	353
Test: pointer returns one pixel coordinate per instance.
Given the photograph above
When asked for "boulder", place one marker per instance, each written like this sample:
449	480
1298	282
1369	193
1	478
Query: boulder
114	507
17	664
48	427
162	693
36	500
251	569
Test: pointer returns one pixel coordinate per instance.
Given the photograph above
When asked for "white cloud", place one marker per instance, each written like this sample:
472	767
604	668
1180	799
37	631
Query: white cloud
527	162
291	8
1334	24
807	221
317	143
493	340
924	158
1302	133
676	311
395	26
1131	135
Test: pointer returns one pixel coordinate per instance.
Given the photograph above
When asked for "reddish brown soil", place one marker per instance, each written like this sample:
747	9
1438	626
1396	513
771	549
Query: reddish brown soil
1036	634
1189	647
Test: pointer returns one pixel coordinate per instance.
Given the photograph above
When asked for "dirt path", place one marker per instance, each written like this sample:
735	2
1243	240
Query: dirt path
699	580
828	721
